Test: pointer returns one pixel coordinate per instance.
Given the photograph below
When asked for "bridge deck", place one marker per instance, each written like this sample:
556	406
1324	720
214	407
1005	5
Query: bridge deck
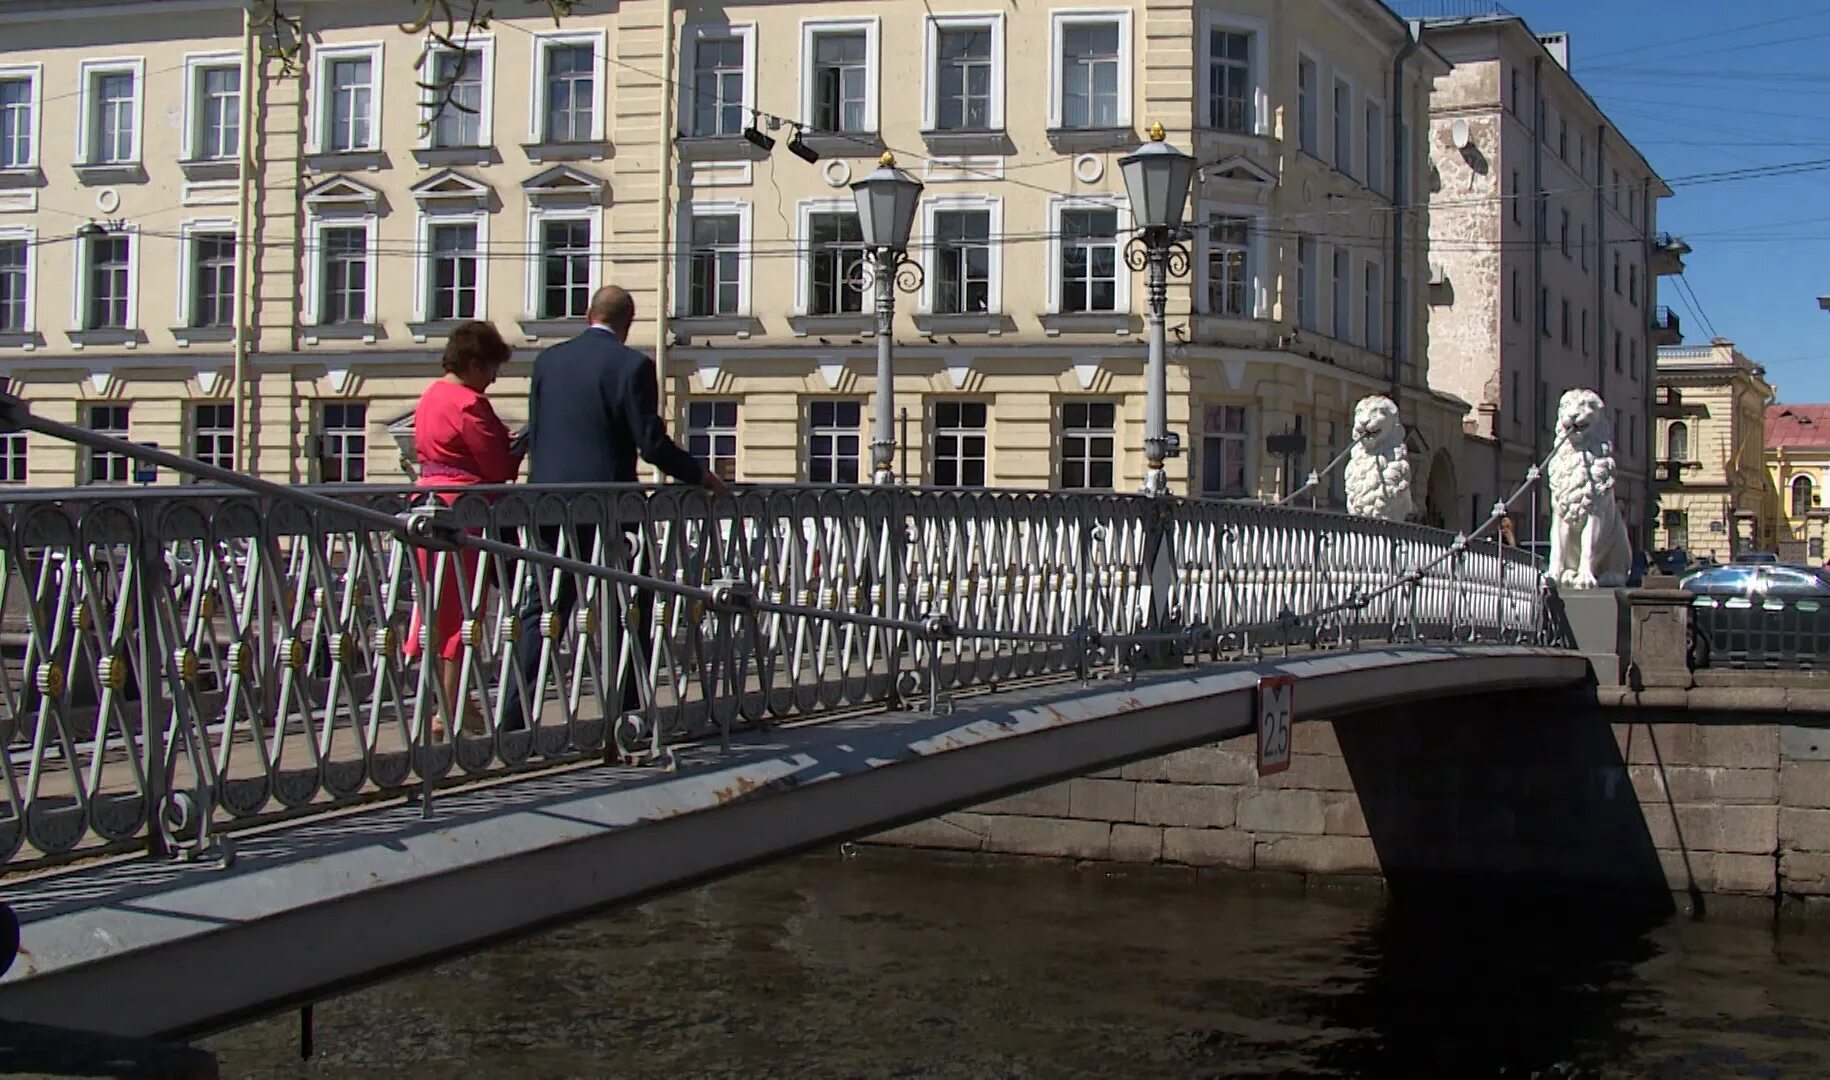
148	948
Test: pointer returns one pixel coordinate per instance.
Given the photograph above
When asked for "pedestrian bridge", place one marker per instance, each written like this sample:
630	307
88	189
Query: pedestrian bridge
222	758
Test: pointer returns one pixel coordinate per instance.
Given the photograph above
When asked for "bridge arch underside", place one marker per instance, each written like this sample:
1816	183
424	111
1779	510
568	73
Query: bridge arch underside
154	949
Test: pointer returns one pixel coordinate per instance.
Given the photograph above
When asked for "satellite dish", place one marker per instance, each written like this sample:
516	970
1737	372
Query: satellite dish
1458	133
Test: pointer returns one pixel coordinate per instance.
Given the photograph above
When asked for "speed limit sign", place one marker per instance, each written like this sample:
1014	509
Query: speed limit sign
1276	713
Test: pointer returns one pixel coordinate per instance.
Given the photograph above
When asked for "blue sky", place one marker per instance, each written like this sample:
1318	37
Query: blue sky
1700	88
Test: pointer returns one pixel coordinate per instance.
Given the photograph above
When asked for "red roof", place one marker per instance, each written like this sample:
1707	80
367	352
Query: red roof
1798	426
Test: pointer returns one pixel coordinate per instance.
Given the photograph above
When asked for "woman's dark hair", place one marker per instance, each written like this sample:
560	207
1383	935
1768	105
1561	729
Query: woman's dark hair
474	343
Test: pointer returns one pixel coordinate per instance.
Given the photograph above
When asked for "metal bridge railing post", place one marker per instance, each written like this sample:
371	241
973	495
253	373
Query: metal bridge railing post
152	728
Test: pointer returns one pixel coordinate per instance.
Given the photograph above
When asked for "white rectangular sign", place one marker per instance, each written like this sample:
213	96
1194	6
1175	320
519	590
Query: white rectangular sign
1276	715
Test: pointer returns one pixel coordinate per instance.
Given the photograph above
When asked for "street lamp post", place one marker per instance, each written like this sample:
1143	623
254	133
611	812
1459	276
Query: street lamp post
886	215
1157	177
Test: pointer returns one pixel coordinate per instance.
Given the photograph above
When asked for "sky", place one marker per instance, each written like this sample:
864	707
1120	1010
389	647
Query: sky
1700	86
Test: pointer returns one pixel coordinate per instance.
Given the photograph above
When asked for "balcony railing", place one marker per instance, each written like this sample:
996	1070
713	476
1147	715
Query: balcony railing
1666	325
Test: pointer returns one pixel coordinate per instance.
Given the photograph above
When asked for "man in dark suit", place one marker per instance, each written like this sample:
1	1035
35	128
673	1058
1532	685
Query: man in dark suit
592	409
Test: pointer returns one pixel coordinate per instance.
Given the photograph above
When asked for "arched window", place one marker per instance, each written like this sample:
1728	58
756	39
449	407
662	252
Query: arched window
1801	496
1677	442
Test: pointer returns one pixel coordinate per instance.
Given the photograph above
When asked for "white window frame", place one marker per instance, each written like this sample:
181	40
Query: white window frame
1305	287
30	236
86	104
15	444
1373	334
873	62
959	458
808	431
1313	113
1340	293
1336	84
322	430
485	46
1058	23
86	460
1061	441
930	76
690	37
714	431
187	233
545	40
322	58
1256	256
33	74
1260	33
1374	171
195	65
1121	302
79	310
683	259
426	219
1248	452
194	430
803	264
934	206
315	224
537	218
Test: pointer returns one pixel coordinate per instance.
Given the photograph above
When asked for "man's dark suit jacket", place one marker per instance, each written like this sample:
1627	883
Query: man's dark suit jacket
592	409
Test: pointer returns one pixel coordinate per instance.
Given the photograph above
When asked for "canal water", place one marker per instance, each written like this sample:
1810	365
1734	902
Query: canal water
898	967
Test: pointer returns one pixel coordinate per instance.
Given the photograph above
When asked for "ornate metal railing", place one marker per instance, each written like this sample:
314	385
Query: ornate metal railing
184	662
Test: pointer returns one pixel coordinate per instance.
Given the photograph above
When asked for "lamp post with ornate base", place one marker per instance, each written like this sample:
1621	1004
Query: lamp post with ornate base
1157	178
887	199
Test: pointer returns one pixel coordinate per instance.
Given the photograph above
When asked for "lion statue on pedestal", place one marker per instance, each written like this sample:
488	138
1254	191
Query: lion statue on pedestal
1588	536
1378	472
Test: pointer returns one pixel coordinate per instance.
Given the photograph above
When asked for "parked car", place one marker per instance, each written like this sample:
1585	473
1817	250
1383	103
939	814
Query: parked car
1672	560
1756	558
1750	580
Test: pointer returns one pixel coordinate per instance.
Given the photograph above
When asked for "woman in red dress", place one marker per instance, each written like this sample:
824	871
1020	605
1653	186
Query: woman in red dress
459	441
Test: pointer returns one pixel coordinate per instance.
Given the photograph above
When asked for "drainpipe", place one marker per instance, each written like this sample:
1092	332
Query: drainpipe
664	267
1401	190
1601	267
241	459
1539	233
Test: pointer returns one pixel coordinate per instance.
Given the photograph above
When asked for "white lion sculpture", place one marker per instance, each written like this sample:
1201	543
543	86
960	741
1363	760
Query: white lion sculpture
1588	537
1378	473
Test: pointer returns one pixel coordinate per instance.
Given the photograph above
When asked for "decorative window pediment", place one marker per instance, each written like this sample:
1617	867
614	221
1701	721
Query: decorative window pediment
563	184
450	188
1240	169
342	193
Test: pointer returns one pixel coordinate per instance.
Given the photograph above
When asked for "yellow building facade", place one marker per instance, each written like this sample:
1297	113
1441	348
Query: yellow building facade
1798	467
1709	411
248	241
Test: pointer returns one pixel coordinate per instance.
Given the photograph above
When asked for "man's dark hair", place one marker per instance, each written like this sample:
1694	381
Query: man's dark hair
473	344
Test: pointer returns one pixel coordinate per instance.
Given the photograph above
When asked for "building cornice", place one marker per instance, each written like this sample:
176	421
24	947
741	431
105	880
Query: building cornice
25	11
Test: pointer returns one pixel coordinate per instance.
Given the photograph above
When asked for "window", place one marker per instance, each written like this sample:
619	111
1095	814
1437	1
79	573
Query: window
12	457
1801	496
1230	92
1563	139
1516	95
1343	127
344	267
1223	450
1544	309
565	269
1307	87
1518	394
350	118
1566	327
1088	438
1617	273
1633	357
841	80
713	274
1089	260
212	279
1677	441
960	441
216	113
1094	73
711	435
1375	147
1229	268
962	259
967	94
213	433
833	442
1518	305
17	121
1585	332
110	266
570	86
343	442
1633	433
1305	282
1582	245
453	277
1374	331
1343	316
1677	529
110	121
14	285
1633	285
717	88
458	78
1563	233
107	466
1617	365
1518	199
836	251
